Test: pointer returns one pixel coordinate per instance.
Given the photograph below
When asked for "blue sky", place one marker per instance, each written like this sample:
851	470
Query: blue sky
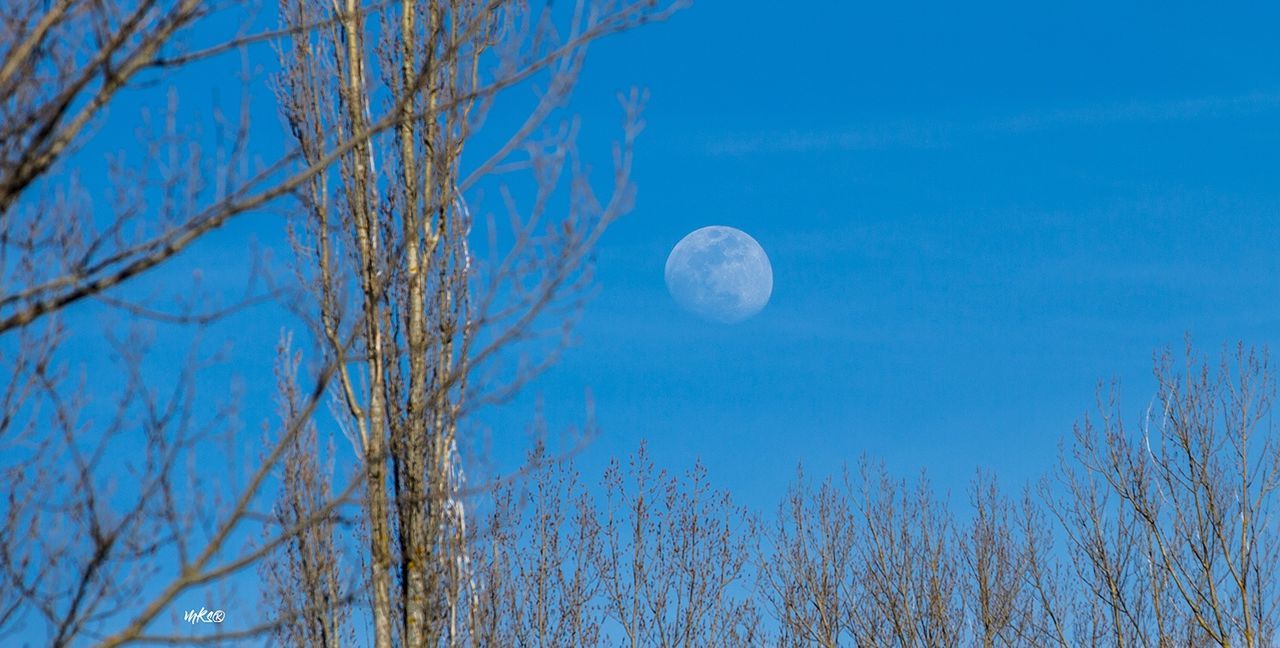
974	215
975	212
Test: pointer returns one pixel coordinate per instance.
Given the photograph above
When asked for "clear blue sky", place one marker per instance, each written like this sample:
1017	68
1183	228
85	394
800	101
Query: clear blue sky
975	212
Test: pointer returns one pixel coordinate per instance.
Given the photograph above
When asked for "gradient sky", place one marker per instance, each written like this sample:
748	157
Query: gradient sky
974	212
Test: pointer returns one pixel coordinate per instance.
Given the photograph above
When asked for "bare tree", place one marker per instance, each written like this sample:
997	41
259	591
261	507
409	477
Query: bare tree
1048	580
98	502
1172	526
62	64
1000	604
907	565
674	559
539	583
97	549
878	562
386	254
305	580
808	573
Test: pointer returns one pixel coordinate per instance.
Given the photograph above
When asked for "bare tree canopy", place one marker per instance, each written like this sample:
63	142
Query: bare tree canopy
437	266
406	328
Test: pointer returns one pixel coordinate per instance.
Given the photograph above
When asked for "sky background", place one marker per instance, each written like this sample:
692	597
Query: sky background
975	214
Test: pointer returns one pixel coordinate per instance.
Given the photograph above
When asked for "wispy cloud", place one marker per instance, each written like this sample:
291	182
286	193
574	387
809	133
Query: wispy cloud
923	134
854	139
1140	111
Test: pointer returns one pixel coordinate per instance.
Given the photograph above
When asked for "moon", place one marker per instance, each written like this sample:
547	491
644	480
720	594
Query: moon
720	274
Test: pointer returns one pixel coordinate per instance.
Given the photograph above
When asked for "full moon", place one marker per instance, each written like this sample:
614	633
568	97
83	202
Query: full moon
719	273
